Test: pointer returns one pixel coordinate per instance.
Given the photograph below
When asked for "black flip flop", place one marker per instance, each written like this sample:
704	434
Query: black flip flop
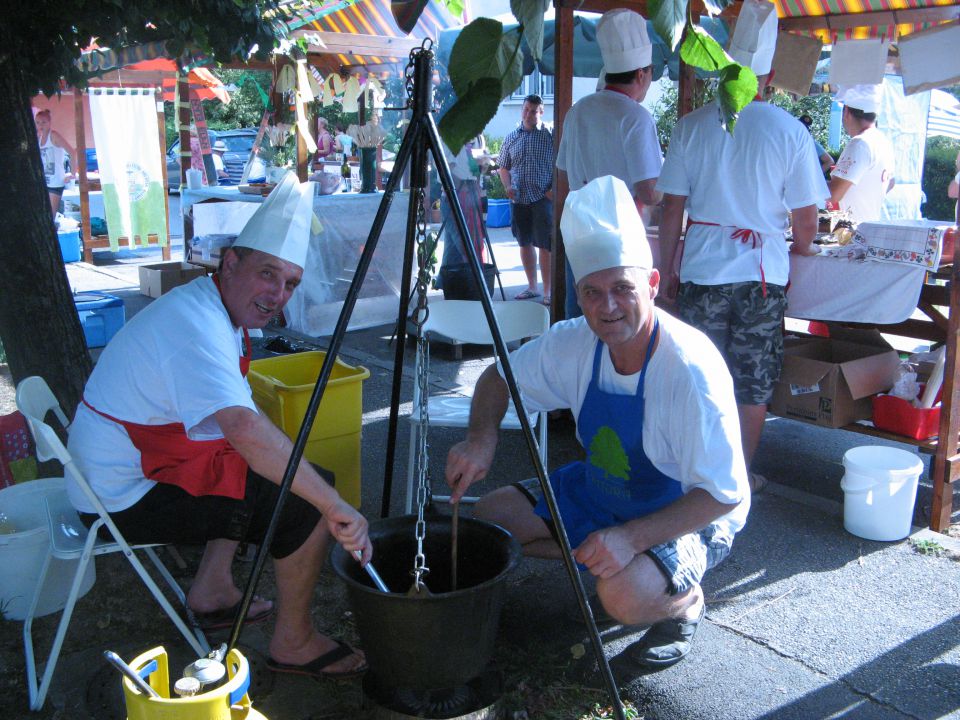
223	618
315	668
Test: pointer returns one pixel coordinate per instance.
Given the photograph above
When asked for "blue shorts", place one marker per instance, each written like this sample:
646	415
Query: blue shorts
683	561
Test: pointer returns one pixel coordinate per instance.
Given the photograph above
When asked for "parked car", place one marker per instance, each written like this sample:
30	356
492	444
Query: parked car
239	144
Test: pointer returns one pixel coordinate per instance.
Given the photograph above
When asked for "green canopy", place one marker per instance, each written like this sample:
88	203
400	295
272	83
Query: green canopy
586	51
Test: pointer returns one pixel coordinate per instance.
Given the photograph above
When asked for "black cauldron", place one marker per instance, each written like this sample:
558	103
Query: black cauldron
441	640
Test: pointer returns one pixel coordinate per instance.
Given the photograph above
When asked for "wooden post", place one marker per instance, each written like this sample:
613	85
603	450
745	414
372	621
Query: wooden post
183	122
86	236
562	100
162	132
946	465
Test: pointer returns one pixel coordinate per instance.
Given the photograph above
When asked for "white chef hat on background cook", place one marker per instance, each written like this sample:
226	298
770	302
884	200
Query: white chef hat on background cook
281	225
861	97
755	37
624	42
602	228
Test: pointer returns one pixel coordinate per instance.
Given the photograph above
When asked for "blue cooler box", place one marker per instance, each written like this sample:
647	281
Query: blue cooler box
498	212
69	245
101	316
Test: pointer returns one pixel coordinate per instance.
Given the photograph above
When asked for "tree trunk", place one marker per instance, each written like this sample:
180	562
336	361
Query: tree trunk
39	324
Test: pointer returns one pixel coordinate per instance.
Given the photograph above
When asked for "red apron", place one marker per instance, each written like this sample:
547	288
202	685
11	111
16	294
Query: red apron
200	467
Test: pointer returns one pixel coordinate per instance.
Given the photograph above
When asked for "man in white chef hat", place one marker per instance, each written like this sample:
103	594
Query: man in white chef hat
171	441
864	173
609	132
664	488
741	191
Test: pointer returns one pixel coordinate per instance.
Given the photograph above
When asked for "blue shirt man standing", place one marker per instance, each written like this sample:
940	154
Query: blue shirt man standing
526	169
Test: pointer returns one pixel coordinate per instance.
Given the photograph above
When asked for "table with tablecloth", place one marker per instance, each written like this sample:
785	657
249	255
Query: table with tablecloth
345	220
889	277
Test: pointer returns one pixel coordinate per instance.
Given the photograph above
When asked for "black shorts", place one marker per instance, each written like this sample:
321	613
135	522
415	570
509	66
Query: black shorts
169	514
57	190
532	224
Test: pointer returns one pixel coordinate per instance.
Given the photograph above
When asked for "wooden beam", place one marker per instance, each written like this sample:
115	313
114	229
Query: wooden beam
352	44
562	100
907	16
945	469
640	6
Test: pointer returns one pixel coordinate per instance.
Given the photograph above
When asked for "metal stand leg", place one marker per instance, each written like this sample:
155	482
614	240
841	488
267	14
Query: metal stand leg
421	136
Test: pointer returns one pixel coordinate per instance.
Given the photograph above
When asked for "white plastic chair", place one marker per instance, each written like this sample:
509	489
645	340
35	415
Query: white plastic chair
71	540
463	321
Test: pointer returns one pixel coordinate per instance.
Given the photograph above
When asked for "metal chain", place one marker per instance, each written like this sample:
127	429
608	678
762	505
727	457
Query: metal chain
420	316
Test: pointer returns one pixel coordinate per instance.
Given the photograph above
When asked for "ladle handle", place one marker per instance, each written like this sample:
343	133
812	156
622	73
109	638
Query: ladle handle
372	572
130	673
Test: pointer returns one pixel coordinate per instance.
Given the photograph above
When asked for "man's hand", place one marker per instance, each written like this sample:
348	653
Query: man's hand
606	552
804	250
669	286
349	528
467	462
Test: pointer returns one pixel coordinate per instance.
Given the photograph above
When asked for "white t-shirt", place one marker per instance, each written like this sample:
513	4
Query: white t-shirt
53	158
749	180
867	162
607	133
177	361
691	430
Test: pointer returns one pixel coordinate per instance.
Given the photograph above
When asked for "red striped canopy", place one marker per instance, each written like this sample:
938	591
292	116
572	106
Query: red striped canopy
373	17
890	31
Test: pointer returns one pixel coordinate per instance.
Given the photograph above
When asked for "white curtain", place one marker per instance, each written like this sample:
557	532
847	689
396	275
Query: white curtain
131	170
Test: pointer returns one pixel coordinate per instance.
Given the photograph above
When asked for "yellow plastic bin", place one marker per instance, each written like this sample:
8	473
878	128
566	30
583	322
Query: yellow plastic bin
282	387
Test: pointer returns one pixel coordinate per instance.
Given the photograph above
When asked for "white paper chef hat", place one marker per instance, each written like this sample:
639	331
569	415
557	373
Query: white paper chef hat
281	225
624	43
755	37
861	97
602	228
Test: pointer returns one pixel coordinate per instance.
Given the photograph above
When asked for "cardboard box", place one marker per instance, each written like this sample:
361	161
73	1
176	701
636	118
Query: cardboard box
831	382
157	279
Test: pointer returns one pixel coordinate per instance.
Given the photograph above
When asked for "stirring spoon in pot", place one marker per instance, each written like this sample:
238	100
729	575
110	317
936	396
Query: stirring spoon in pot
453	546
372	572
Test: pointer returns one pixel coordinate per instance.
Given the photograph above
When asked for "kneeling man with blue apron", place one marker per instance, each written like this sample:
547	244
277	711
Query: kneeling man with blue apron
663	489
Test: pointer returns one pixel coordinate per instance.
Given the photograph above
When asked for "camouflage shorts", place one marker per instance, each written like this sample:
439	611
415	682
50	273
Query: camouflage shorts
747	329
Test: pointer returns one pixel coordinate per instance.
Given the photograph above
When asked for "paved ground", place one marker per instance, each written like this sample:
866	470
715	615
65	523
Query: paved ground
804	620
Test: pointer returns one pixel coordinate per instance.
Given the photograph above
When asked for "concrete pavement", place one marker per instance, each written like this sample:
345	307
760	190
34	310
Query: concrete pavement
804	620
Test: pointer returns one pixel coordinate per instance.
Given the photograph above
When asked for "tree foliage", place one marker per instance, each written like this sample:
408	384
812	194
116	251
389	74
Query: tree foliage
39	45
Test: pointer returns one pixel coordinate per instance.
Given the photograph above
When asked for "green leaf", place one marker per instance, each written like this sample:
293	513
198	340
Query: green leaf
469	115
738	87
454	7
483	51
529	13
668	17
702	51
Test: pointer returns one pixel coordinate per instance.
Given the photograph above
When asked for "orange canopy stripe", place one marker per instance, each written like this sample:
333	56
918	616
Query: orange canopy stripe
817	8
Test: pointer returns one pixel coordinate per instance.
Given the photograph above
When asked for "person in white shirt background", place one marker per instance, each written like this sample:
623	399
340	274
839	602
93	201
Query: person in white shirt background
865	169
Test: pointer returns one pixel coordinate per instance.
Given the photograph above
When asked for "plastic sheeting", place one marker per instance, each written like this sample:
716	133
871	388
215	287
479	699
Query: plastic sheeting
903	119
346	220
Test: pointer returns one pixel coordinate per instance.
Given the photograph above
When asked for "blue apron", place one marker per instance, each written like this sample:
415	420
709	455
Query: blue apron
618	482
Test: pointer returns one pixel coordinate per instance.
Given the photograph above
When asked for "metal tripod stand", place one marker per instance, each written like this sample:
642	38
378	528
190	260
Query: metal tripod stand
420	138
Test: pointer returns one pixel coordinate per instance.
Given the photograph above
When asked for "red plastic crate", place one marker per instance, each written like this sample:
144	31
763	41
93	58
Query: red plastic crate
896	415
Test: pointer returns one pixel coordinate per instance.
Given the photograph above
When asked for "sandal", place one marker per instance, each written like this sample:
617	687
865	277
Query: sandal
758	483
315	668
546	300
667	642
223	618
526	295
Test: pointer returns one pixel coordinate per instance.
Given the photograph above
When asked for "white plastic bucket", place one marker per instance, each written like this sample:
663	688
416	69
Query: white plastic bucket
880	487
22	553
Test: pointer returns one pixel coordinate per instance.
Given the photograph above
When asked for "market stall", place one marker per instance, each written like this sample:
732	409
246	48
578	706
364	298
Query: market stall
901	282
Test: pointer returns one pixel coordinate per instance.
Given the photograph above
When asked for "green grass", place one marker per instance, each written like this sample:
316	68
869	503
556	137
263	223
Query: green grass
928	547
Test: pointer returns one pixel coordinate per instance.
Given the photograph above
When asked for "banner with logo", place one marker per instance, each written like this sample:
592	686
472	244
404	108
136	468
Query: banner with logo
131	171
